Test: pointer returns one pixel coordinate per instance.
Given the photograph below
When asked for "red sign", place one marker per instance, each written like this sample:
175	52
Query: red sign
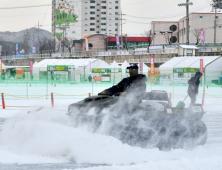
141	67
201	66
0	65
151	65
31	67
97	78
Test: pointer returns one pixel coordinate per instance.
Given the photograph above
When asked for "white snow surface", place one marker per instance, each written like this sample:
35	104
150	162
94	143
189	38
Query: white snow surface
46	136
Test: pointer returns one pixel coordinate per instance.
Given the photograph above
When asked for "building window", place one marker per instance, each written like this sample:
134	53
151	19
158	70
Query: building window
103	12
97	32
103	1
92	23
90	45
97	15
116	2
97	4
116	29
103	23
103	18
110	13
116	13
103	7
92	29
92	1
116	18
116	7
85	18
92	7
92	18
103	29
97	26
92	12
116	24
110	30
97	20
97	9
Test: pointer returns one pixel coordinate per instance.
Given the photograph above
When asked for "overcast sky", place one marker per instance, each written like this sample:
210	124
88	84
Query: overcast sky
139	13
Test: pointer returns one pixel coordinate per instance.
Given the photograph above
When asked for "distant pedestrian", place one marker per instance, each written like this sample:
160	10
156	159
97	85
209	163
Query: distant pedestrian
90	78
193	87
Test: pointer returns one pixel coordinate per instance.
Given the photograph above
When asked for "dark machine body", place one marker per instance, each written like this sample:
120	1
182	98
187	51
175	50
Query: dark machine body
152	123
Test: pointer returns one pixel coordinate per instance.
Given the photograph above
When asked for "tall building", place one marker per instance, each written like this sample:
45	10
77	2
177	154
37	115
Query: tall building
75	19
101	17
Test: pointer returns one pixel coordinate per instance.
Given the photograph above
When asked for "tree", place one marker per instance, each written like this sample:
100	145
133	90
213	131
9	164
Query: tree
26	41
196	33
68	43
105	40
147	37
125	41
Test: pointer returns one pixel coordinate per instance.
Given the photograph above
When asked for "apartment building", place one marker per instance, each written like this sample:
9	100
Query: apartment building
75	19
101	17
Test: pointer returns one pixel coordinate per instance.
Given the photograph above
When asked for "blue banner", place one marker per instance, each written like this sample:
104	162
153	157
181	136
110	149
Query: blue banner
16	48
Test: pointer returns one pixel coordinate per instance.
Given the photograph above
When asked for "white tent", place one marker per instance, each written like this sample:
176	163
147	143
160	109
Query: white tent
81	65
145	68
124	65
103	65
178	67
3	66
115	65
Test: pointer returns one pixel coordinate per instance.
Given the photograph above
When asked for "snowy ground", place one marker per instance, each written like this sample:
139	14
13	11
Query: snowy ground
45	139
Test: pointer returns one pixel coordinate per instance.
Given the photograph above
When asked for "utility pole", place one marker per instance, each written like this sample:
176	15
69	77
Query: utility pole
38	35
215	26
187	23
122	30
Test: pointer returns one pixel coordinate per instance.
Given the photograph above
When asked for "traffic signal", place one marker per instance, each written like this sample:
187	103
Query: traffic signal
162	32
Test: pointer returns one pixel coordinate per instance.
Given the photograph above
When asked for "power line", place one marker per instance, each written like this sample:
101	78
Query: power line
25	6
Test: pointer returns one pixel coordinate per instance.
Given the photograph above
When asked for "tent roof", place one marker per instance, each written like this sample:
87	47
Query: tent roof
184	62
169	65
124	65
3	66
104	65
188	46
76	62
115	65
194	62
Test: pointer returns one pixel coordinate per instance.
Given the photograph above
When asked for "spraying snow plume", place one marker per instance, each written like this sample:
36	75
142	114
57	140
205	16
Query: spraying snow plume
145	124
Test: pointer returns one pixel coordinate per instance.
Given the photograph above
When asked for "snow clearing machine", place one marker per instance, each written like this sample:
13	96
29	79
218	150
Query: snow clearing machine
152	123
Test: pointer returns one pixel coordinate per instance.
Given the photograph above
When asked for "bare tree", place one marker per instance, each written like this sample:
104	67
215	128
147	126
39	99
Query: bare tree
105	40
147	36
125	41
196	33
26	41
68	43
6	49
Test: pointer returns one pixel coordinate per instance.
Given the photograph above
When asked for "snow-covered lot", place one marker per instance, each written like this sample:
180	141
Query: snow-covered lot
46	137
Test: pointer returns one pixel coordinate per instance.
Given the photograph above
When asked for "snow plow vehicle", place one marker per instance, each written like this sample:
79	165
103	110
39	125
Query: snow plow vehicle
148	124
